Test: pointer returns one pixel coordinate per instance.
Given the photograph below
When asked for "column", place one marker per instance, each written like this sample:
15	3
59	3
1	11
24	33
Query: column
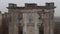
15	31
51	27
36	22
13	25
25	23
46	27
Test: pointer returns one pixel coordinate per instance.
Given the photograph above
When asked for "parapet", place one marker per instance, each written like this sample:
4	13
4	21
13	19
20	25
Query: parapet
30	4
12	5
50	4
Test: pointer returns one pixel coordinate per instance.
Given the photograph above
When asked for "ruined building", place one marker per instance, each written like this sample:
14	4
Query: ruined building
31	19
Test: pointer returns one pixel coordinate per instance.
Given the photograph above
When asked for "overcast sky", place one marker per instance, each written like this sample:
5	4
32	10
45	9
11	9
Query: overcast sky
4	4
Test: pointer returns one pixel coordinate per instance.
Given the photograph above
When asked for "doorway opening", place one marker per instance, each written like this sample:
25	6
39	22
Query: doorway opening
41	29
20	30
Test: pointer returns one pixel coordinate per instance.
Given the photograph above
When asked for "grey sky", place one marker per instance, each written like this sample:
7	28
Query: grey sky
4	4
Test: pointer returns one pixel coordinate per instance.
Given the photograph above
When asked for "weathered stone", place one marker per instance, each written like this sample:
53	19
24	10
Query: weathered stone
33	18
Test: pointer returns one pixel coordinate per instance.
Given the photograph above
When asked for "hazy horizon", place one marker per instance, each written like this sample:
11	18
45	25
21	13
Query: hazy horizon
4	4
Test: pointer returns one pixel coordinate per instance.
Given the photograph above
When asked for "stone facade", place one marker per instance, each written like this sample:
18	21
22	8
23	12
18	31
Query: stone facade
31	18
5	23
